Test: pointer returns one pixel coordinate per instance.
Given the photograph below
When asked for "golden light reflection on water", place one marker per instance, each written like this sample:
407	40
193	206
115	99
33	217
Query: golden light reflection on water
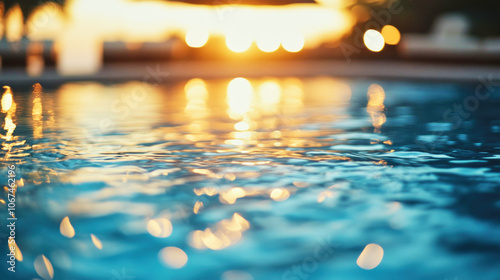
37	112
44	267
224	234
9	107
280	194
270	94
197	207
216	113
251	105
160	227
96	241
268	114
230	196
370	257
19	255
66	228
7	99
196	97
375	106
240	95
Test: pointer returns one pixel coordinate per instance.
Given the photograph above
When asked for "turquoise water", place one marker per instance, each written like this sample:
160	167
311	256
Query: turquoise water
287	178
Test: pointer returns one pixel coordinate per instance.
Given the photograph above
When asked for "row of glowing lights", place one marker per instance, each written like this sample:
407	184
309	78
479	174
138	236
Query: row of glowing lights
374	40
238	42
241	99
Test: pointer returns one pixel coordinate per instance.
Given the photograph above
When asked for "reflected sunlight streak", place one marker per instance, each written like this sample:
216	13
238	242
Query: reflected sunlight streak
375	107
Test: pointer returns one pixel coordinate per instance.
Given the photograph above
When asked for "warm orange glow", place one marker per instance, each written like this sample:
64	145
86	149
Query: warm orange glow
6	99
34	59
66	228
391	34
37	112
34	65
375	106
79	53
268	43
196	89
196	38
239	97
293	95
14	22
269	93
173	257
9	107
2	27
293	42
370	257
80	31
44	268
238	42
361	13
196	96
47	19
374	41
157	21
332	3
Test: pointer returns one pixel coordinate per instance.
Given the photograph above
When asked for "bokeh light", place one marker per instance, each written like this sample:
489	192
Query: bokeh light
196	38
173	257
280	194
238	42
370	257
293	42
391	35
239	97
97	242
374	41
14	24
66	228
268	43
160	227
44	268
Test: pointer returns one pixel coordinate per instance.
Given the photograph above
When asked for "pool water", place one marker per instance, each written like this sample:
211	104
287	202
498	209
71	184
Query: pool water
271	178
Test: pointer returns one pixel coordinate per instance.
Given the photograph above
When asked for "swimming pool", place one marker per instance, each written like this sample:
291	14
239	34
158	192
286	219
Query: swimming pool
265	178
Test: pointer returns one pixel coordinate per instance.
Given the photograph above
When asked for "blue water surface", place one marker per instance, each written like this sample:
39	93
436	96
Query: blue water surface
272	178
